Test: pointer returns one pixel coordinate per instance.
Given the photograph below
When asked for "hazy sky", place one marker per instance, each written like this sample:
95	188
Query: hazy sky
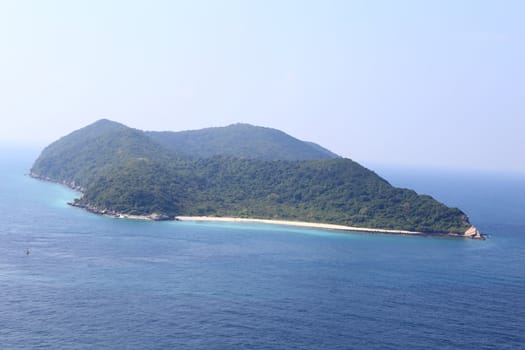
424	83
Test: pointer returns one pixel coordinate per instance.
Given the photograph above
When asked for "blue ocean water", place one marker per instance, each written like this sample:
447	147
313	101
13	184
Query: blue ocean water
91	282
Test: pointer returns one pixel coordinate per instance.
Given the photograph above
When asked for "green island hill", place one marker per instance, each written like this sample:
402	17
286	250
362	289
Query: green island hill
238	171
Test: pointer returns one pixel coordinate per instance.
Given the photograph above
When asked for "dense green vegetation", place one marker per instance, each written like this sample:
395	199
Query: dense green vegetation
83	155
240	141
126	171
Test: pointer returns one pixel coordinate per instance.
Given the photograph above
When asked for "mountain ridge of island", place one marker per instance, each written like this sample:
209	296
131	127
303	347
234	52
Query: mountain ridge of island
239	171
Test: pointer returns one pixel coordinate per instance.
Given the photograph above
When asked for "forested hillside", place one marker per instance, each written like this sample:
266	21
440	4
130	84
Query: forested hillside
241	141
125	170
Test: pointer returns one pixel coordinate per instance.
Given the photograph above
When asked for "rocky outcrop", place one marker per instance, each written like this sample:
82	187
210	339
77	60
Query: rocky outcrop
159	217
473	233
107	212
71	184
94	209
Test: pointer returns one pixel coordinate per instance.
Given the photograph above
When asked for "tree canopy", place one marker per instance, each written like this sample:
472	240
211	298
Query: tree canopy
127	171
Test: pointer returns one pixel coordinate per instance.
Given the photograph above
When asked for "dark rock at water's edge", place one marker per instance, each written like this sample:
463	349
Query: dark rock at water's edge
93	209
71	184
107	212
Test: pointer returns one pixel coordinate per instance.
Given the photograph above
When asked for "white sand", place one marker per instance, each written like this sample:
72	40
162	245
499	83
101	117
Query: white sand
295	223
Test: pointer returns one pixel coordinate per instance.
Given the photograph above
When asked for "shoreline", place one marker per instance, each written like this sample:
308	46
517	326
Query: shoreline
475	234
293	223
471	233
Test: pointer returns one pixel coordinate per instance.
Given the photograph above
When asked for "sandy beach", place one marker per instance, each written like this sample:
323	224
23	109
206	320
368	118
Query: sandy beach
472	232
296	223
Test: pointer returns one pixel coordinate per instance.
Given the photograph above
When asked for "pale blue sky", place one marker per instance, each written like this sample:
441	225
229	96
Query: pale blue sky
416	83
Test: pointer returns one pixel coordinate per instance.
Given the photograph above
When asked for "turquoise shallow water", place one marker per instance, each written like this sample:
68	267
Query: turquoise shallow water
93	282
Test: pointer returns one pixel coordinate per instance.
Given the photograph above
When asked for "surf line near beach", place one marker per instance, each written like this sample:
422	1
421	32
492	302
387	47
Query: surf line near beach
296	223
471	233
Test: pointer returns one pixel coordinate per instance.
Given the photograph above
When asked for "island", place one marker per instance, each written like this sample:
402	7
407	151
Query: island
239	172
